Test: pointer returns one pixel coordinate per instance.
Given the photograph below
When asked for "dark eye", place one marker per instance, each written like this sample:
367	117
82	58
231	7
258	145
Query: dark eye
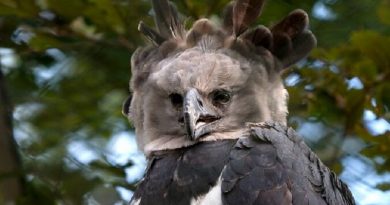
221	97
176	99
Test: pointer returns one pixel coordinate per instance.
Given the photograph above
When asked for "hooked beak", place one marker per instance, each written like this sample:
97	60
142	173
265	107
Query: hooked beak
197	117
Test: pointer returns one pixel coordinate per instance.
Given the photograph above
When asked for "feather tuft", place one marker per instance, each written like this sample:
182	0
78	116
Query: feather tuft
296	22
167	19
260	36
151	34
245	12
201	27
292	40
228	18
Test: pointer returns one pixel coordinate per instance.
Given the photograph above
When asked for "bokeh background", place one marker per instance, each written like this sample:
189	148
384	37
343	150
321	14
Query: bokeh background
64	71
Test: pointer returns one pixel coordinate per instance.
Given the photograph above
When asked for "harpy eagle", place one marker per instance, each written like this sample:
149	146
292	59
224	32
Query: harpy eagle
209	110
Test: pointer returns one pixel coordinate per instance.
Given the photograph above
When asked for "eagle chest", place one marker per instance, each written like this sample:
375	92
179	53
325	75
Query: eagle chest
181	176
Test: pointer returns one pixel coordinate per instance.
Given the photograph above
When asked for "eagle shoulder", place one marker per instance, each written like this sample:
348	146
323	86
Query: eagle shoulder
273	165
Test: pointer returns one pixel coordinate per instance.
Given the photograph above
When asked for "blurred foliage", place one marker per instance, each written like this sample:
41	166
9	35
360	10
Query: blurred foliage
69	74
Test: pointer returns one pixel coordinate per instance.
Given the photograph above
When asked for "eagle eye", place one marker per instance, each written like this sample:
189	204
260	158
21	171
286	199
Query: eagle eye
176	99
221	97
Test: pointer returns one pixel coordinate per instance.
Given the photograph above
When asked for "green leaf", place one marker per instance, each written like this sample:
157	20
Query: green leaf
373	46
76	185
355	101
42	42
111	20
67	9
385	95
384	12
383	186
25	9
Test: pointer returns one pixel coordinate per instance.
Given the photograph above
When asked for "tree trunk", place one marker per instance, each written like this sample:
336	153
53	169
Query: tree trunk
11	179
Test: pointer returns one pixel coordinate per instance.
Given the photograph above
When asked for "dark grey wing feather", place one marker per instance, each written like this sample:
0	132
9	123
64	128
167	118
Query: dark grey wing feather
274	166
255	175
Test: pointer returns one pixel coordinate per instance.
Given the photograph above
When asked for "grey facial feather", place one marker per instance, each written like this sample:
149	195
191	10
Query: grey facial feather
210	58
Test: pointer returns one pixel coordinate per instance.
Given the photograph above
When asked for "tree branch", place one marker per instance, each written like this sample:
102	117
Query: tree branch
11	180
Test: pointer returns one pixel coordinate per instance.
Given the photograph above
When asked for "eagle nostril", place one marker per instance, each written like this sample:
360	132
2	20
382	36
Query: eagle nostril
200	103
207	119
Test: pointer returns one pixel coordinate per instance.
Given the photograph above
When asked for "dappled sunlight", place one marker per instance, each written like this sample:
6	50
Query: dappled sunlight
362	179
376	125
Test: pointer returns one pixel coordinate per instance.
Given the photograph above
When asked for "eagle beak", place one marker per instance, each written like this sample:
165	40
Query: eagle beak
197	117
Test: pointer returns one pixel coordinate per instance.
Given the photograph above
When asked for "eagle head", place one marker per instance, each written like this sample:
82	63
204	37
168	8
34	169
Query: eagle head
208	82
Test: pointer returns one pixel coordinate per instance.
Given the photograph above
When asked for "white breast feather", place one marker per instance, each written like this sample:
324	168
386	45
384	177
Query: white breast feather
212	197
